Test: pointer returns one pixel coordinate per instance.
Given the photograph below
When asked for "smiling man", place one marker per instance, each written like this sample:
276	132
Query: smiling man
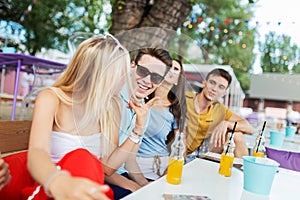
151	66
208	120
148	72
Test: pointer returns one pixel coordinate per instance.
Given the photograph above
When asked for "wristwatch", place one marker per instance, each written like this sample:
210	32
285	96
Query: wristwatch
135	138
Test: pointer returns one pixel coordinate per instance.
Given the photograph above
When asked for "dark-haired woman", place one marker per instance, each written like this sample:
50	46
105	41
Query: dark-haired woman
152	156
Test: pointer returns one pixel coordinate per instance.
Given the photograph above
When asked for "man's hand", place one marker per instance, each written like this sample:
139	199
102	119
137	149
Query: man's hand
138	178
218	135
122	181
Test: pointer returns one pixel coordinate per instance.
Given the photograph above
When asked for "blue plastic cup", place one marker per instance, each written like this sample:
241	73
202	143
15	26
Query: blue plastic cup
290	131
259	174
276	138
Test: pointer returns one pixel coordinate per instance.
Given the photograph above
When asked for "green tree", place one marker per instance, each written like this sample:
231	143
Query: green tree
224	36
50	23
278	54
296	68
229	41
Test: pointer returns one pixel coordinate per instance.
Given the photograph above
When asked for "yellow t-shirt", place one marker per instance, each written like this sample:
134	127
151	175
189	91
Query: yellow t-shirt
198	125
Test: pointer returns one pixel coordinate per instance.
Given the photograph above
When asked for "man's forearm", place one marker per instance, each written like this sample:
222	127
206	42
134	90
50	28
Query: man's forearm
139	178
242	126
122	181
134	171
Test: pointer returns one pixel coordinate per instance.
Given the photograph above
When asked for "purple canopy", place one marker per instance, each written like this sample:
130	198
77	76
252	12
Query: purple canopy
27	60
18	60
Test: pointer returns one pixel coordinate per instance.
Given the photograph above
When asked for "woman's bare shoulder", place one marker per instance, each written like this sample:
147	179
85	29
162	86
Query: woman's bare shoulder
47	96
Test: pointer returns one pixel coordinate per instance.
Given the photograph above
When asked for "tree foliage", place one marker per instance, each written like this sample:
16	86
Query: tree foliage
228	41
279	54
50	23
224	36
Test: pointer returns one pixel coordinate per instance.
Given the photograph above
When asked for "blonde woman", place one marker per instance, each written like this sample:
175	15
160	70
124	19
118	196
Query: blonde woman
76	124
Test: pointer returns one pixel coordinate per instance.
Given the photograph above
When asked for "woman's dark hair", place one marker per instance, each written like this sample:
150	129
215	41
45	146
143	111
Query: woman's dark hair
177	98
178	104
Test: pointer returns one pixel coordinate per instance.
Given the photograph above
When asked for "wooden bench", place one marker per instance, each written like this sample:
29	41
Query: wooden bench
10	98
14	135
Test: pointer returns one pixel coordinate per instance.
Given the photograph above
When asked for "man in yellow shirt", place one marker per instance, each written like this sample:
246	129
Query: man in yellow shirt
209	121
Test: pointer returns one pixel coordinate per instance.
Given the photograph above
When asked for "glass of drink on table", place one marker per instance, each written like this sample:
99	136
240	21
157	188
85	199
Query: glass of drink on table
227	156
259	149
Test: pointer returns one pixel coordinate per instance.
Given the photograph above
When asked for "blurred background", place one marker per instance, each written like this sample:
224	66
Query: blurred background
255	40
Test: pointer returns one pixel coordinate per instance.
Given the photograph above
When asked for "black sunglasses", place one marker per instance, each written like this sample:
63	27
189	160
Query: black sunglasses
154	77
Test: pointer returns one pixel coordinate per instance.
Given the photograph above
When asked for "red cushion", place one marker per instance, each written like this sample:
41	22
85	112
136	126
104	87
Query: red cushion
80	163
20	176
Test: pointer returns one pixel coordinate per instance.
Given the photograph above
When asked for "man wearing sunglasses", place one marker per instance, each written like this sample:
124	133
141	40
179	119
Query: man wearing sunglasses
151	66
148	71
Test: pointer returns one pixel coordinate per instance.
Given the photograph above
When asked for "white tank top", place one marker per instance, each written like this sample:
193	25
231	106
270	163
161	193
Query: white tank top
62	143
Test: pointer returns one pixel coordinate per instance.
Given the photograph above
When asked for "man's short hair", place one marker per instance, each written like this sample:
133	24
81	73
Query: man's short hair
220	72
158	53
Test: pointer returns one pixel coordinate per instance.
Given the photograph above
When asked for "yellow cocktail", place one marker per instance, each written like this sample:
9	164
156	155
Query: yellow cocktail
259	154
226	164
174	171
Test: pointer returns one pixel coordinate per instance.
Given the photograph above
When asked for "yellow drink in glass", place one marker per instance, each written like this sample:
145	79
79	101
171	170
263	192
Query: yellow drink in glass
259	154
174	171
226	164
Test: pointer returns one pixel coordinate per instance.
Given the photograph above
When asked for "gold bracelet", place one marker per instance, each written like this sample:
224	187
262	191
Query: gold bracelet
51	177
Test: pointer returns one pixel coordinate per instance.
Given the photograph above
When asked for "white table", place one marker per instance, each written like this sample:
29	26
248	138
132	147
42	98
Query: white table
201	177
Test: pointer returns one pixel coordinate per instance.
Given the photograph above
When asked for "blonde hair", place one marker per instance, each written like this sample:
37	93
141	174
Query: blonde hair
93	77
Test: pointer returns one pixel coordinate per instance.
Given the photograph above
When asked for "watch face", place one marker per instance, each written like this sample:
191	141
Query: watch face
135	139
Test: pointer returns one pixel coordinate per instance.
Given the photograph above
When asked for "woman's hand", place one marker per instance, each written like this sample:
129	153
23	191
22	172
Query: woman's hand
141	112
74	188
4	173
